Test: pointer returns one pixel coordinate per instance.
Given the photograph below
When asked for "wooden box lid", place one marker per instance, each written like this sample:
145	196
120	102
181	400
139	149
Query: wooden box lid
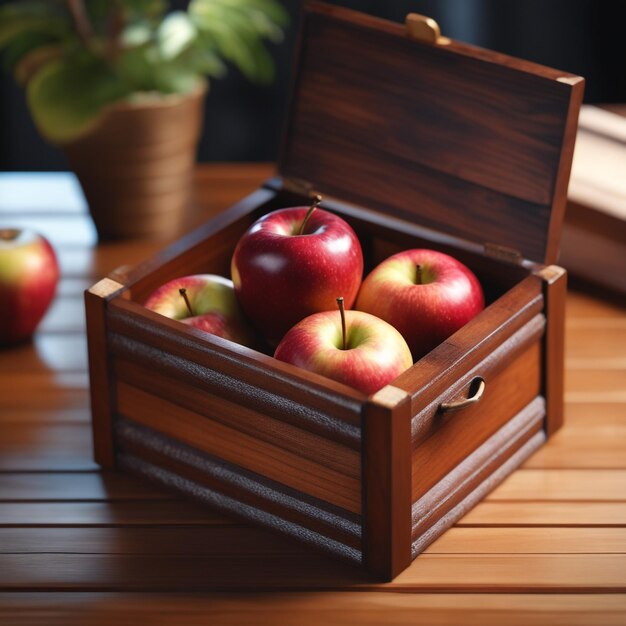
452	137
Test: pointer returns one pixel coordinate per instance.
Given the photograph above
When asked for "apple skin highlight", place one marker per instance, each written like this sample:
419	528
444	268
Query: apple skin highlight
214	306
375	353
281	276
29	273
425	314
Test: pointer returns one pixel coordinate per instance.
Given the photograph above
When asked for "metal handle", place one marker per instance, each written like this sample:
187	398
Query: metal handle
447	407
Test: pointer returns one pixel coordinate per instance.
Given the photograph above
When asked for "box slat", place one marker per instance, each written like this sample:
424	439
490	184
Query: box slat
507	391
232	445
477	474
343	459
221	478
248	377
236	491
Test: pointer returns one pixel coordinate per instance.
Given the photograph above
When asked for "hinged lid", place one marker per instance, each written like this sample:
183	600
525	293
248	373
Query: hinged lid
466	141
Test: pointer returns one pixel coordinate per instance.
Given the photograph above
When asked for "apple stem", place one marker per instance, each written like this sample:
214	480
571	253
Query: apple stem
9	234
316	202
342	312
418	274
183	292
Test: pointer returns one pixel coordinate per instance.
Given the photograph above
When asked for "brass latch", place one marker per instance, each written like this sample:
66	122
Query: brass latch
502	253
424	29
298	186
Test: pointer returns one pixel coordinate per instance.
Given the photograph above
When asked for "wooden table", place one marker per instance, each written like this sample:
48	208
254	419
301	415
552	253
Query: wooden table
81	546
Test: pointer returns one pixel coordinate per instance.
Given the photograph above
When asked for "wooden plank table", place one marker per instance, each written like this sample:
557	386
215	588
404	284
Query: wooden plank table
81	546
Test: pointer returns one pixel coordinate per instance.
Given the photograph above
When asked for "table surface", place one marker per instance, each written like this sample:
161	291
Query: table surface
82	546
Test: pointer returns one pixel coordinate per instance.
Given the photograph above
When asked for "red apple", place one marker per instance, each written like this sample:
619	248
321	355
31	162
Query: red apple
292	263
205	301
367	355
29	273
426	295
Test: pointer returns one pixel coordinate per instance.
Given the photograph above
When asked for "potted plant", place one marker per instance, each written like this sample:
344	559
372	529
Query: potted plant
120	85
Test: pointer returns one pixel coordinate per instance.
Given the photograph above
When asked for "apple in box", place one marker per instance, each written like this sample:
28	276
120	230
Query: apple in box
425	294
204	301
351	347
292	263
29	274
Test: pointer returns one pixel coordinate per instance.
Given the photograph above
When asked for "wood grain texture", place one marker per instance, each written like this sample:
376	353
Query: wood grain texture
563	514
129	513
573	485
437	573
387	482
473	144
101	381
280	464
478	473
46	393
215	407
556	514
310	401
508	391
236	492
594	442
527	539
73	486
310	609
33	446
329	533
223	538
555	289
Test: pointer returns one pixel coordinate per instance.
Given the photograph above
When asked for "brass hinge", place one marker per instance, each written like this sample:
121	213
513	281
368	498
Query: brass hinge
424	29
502	253
298	186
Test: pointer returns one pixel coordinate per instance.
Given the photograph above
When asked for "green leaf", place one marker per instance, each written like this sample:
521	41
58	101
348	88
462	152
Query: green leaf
175	34
176	78
246	23
235	37
136	34
21	45
32	62
66	99
32	17
136	69
272	9
145	8
204	61
269	17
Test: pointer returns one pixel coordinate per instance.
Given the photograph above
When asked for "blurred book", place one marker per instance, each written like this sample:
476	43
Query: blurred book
593	246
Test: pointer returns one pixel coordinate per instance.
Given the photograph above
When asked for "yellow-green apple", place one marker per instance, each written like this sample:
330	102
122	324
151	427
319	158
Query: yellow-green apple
291	263
425	294
29	273
205	301
354	348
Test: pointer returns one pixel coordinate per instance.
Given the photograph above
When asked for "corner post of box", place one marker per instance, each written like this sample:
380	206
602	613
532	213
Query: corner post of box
100	380
554	292
386	463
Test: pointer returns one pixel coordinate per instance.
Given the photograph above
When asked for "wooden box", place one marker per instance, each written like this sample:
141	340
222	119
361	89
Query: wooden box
417	141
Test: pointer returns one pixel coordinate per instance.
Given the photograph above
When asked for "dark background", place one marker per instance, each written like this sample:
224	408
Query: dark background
244	122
